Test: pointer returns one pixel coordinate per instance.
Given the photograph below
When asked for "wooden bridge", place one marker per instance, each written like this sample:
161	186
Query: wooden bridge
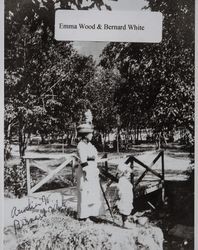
155	182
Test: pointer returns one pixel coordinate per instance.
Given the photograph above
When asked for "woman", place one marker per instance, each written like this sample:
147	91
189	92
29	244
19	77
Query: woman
90	200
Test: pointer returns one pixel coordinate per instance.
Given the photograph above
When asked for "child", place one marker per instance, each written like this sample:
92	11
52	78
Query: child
125	193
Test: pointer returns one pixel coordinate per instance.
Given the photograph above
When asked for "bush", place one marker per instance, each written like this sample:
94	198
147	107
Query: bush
7	150
15	180
190	172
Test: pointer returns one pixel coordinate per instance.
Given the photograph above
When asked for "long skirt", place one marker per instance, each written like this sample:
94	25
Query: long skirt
90	200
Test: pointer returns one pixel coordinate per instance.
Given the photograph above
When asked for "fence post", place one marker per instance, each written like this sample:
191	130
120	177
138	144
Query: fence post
73	168
163	177
132	174
27	163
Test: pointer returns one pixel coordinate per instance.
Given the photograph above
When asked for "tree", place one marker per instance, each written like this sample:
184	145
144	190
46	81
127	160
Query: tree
43	78
43	86
139	84
158	83
176	97
41	13
48	96
100	94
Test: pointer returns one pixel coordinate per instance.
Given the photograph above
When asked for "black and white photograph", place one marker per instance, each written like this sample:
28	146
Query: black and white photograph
98	135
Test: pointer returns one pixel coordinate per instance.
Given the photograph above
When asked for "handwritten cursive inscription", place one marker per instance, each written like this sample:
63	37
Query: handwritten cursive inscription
37	211
30	206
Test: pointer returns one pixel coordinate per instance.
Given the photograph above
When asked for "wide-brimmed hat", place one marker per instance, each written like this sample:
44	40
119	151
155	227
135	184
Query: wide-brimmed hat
85	128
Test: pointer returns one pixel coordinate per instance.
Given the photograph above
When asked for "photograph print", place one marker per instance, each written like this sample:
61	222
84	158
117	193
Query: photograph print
98	136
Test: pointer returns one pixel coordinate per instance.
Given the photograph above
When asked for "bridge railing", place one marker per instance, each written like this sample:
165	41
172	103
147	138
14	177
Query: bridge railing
148	169
159	183
70	160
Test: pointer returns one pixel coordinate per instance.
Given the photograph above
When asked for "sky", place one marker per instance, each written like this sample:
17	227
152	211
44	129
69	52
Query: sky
95	48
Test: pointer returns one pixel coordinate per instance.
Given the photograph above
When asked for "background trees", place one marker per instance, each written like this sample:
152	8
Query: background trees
47	96
176	97
43	78
100	93
48	84
158	79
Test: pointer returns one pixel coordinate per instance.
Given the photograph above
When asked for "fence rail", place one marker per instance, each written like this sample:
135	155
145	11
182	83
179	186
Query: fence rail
72	158
50	173
161	176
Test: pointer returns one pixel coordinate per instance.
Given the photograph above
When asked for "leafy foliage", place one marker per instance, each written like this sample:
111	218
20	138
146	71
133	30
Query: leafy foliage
158	79
15	180
48	84
44	79
100	93
60	231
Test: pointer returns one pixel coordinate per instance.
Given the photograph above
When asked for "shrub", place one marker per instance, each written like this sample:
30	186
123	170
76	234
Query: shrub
15	180
7	150
190	172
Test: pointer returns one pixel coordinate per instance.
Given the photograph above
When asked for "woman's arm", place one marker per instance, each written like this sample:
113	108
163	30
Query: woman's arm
82	153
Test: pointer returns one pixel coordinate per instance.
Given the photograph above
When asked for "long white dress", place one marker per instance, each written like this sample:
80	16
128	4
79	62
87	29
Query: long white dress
125	193
90	201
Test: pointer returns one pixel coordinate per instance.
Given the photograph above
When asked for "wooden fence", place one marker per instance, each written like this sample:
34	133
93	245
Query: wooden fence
148	169
70	160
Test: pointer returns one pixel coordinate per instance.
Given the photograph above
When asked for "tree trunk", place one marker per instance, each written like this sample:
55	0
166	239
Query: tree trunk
117	140
140	135
136	135
8	135
23	140
42	138
102	141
